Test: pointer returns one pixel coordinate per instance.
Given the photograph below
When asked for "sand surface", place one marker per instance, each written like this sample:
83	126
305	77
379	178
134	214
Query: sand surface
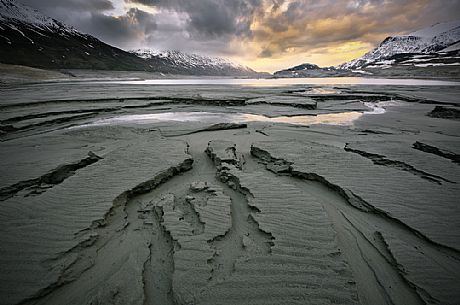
135	194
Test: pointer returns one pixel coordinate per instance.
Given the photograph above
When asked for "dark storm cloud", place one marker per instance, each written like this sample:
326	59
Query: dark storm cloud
212	18
265	53
281	24
267	27
124	31
89	16
79	5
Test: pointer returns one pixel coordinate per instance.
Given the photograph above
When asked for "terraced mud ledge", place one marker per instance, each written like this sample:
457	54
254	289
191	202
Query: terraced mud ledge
218	212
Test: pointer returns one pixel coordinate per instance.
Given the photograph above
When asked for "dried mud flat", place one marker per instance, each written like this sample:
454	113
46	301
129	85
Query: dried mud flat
228	212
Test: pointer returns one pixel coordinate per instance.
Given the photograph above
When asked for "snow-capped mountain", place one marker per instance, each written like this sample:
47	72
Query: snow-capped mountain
429	40
309	70
183	63
12	13
299	68
29	38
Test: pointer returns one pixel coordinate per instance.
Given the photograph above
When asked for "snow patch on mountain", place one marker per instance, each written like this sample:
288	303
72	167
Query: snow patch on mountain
16	15
431	39
13	11
28	37
302	67
186	60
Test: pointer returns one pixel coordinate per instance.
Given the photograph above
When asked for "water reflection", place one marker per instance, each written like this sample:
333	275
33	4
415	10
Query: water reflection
343	118
148	118
323	90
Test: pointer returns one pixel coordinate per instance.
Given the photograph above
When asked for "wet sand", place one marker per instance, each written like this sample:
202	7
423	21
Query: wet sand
215	194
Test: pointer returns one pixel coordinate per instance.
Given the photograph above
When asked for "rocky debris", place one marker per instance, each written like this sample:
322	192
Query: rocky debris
189	198
445	113
221	151
279	166
199	186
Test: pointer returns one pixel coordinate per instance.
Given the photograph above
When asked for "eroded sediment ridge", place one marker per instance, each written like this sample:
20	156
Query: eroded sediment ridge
437	151
389	247
56	176
299	217
384	161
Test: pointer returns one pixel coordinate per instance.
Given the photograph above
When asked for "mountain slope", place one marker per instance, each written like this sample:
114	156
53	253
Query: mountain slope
29	38
310	70
181	63
297	69
425	41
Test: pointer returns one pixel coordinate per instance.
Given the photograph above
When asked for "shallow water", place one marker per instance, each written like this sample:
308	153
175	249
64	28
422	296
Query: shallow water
342	118
323	90
273	82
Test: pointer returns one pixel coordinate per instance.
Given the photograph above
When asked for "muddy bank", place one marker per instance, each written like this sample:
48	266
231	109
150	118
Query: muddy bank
272	211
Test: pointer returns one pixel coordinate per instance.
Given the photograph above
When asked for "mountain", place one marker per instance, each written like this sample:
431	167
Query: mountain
310	70
302	67
432	40
29	38
177	62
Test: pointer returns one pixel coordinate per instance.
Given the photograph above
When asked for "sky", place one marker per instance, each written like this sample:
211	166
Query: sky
266	35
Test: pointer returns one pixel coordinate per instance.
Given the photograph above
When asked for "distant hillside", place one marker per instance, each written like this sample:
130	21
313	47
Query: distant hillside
29	38
310	70
182	63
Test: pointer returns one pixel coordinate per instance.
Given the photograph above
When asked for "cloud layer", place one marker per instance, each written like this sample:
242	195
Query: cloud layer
268	34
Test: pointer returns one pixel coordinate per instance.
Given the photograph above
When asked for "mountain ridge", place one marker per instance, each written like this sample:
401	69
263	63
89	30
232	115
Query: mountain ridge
189	63
29	38
430	52
428	40
308	70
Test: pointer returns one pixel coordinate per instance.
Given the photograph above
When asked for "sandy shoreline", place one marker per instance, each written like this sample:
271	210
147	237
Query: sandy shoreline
244	212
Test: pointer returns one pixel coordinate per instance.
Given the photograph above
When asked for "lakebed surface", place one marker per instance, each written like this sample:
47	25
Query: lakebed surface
127	193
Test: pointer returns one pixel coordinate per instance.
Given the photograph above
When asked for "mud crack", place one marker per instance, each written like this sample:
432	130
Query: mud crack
399	165
437	151
54	177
